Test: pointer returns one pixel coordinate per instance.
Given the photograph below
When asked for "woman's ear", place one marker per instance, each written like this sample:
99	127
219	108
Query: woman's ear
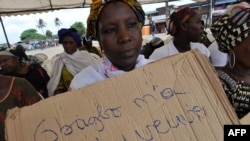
183	26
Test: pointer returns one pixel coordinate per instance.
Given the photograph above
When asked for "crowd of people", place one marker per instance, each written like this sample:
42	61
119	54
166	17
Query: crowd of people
120	39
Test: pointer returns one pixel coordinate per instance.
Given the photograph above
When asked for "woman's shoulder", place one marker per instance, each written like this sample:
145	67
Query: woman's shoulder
161	52
227	80
197	44
86	76
201	47
36	68
90	68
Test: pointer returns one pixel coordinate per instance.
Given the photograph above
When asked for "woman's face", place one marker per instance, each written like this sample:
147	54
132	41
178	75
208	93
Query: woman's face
8	64
119	35
242	53
195	28
69	44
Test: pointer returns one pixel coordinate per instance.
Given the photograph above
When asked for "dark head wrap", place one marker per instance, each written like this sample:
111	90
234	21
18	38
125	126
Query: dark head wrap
19	53
232	28
177	18
69	32
97	6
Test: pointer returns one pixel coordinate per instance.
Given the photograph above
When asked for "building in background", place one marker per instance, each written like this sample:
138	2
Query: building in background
159	15
220	6
210	10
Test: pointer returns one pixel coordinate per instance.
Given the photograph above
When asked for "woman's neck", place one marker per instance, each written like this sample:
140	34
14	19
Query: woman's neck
21	69
241	69
238	72
181	45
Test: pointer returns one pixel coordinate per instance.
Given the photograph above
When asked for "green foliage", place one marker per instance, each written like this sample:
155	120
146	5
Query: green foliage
55	36
41	24
48	34
57	22
79	26
31	34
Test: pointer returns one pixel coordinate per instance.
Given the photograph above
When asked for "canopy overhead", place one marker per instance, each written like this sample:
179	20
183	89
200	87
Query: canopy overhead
21	7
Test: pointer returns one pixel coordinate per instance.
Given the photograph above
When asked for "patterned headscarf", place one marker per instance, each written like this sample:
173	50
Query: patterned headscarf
69	32
232	28
177	18
97	6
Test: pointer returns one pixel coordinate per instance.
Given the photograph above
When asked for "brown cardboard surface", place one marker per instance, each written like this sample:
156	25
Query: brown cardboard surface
245	119
177	98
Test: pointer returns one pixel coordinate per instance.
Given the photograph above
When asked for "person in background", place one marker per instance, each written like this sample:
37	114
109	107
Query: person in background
233	30
88	45
15	92
186	28
148	48
28	59
153	29
12	65
68	63
119	36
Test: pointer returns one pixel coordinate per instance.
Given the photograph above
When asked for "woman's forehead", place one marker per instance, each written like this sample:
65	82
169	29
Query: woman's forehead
112	8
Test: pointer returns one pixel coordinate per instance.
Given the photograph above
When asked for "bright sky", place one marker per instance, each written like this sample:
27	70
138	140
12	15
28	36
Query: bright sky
15	25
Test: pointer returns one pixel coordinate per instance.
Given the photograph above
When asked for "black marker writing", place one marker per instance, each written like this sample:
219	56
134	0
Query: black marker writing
80	123
196	111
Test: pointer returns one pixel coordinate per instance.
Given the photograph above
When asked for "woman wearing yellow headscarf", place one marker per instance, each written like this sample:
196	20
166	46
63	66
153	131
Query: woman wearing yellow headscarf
119	36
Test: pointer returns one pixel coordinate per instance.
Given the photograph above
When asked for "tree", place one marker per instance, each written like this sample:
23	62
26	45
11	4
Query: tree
48	34
41	24
79	26
57	22
31	34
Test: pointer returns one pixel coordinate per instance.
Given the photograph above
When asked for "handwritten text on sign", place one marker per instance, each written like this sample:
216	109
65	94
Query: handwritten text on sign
96	122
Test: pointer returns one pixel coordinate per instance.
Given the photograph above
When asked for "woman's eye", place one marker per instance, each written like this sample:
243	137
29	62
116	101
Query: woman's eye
132	24
109	30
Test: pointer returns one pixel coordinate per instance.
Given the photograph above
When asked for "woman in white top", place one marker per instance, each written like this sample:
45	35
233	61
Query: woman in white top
68	63
119	36
186	28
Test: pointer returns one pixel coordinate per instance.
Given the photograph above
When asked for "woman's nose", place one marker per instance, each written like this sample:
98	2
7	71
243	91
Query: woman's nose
124	35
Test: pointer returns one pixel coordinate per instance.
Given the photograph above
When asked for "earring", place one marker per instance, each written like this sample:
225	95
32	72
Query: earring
231	59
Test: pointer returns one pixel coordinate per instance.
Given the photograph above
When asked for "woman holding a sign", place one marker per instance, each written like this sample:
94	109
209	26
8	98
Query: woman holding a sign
233	30
119	36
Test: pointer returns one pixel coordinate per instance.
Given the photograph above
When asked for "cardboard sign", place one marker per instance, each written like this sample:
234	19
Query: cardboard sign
245	119
177	98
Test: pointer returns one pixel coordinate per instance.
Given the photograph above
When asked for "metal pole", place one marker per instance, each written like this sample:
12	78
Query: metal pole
8	44
211	9
167	9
